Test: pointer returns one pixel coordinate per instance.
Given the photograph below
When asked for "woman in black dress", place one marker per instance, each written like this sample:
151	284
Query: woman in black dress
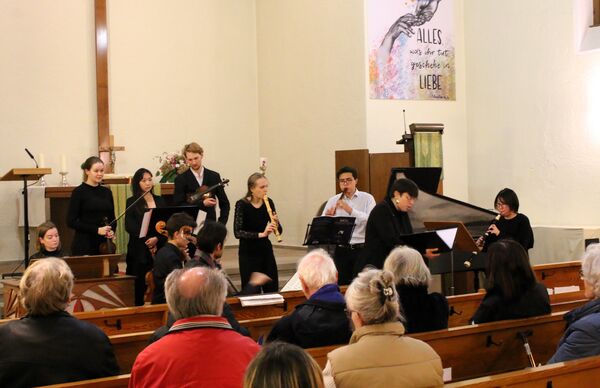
252	226
48	242
90	208
140	250
511	223
512	291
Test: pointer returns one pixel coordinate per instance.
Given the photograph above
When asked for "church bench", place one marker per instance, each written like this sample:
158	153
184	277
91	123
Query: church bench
119	381
127	319
260	327
479	350
583	372
563	274
128	346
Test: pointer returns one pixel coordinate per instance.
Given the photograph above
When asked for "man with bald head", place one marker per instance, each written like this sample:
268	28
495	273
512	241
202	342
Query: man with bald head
322	319
201	349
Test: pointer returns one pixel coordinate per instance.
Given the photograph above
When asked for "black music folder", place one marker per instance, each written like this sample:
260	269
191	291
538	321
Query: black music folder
442	239
329	230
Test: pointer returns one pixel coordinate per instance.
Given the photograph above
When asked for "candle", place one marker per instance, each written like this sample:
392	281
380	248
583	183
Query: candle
63	163
41	161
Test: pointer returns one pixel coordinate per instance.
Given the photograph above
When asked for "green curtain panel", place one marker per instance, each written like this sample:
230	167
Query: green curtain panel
428	150
120	194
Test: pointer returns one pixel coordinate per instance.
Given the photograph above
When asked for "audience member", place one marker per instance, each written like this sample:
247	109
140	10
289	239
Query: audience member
48	241
321	320
283	365
379	354
422	311
48	345
201	349
512	291
174	254
582	337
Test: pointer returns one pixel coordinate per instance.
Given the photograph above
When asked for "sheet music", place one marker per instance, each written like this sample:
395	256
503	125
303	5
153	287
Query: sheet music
200	219
447	236
261	300
293	284
145	223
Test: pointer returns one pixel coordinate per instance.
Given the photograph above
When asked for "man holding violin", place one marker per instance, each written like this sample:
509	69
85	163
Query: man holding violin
197	179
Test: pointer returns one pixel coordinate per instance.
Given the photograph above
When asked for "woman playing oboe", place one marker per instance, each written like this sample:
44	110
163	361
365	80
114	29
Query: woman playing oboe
511	223
252	226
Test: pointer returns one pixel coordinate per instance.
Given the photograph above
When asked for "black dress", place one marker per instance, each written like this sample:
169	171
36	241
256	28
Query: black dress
518	228
255	254
423	311
42	253
495	307
88	208
139	259
384	231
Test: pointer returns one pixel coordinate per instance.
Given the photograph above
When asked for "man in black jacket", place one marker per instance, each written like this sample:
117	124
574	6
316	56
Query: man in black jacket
49	345
198	176
322	319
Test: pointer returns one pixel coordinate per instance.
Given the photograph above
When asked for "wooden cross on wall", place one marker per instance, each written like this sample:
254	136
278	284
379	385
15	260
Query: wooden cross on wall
106	146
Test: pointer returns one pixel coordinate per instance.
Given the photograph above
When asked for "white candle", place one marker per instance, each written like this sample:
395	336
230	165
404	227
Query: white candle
63	163
41	160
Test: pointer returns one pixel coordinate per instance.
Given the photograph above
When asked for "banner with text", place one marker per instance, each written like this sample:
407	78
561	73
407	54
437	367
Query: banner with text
411	49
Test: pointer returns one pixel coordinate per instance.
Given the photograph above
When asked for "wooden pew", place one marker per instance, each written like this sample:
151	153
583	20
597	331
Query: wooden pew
260	327
128	346
127	319
119	381
479	350
462	307
559	274
584	372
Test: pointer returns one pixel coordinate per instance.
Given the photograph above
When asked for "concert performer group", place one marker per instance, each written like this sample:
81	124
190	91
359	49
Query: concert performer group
378	227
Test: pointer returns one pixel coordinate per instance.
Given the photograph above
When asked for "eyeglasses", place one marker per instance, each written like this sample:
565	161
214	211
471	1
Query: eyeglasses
345	181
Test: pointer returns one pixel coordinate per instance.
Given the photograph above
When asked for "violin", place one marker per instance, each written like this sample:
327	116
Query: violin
107	247
204	192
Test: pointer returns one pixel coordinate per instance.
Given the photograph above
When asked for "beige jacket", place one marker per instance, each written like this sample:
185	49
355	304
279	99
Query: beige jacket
381	356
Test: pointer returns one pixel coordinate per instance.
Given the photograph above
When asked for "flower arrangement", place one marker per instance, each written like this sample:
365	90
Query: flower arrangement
171	165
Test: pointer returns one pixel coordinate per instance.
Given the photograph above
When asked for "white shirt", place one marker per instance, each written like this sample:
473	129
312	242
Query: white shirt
361	203
199	176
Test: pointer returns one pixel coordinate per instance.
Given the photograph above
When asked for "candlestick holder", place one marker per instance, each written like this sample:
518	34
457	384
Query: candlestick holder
63	179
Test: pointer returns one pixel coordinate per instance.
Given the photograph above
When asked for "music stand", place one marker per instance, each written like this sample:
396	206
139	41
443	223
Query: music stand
327	230
463	242
24	174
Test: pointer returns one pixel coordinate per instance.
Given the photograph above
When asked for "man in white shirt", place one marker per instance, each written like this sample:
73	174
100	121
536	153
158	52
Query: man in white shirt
349	203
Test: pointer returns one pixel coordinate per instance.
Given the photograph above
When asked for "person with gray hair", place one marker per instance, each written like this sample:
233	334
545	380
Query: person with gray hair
379	354
422	311
49	345
321	320
201	348
582	336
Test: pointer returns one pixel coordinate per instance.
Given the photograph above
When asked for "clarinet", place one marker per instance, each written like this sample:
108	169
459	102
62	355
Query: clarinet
270	211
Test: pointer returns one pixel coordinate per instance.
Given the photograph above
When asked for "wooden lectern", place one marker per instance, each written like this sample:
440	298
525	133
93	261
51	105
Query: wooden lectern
25	174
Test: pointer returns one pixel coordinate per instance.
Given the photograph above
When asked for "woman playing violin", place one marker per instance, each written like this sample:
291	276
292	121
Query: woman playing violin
141	250
252	226
90	207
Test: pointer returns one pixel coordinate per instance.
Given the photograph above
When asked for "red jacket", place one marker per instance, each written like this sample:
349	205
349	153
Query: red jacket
202	351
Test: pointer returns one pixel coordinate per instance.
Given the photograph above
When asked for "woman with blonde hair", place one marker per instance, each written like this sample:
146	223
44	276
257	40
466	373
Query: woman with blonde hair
422	311
283	365
252	226
379	354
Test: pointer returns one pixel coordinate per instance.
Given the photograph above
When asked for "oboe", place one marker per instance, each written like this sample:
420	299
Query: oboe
270	211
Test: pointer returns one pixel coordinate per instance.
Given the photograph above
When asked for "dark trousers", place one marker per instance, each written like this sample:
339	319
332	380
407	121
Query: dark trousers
138	270
346	259
266	265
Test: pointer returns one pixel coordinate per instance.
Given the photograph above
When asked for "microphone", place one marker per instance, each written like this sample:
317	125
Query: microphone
31	156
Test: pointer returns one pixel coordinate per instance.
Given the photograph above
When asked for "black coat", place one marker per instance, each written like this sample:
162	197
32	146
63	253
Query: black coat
423	311
384	231
137	252
53	349
314	323
494	307
186	183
